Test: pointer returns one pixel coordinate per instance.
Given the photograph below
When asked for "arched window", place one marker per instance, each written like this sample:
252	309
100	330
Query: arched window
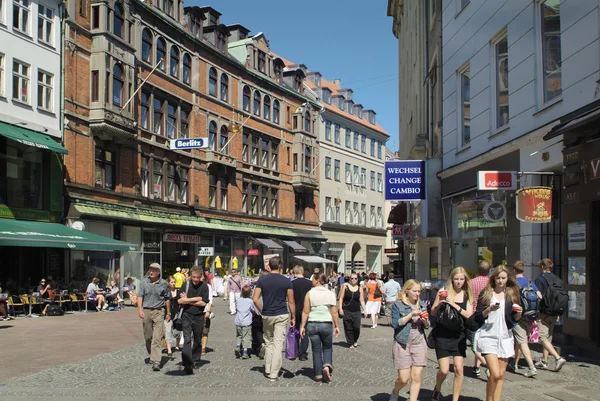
161	51
256	105
212	82
267	107
223	139
174	64
146	45
224	87
117	85
246	98
187	68
212	135
276	111
307	121
118	20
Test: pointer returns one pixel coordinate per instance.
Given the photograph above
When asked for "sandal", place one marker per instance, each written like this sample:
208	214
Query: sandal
203	352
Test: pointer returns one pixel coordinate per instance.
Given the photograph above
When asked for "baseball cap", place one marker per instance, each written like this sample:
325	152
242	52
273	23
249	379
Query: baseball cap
178	269
155	266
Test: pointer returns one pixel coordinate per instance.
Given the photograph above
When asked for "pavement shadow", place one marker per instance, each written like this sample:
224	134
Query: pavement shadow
306	372
6	326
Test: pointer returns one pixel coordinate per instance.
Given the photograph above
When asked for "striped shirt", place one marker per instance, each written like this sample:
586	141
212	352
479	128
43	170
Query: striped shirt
478	284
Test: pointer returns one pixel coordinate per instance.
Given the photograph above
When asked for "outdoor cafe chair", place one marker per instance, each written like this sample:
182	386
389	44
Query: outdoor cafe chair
76	301
14	303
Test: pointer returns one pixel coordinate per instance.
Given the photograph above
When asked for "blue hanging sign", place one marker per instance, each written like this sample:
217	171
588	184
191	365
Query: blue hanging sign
404	180
189	143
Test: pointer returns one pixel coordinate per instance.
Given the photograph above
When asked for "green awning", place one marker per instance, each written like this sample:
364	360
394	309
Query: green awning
52	235
31	138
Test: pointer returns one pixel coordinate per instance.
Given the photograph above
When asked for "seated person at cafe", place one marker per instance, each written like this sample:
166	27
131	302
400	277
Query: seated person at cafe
112	294
94	294
129	290
46	295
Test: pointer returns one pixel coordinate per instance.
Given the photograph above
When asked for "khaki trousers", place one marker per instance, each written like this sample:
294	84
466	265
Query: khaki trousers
154	331
274	329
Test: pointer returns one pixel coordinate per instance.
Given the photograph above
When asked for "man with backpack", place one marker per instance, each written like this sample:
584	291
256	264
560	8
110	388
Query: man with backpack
555	302
530	301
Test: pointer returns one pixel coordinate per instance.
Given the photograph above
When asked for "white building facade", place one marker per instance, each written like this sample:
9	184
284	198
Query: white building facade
511	70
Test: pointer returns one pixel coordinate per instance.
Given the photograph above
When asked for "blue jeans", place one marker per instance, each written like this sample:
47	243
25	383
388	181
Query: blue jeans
321	340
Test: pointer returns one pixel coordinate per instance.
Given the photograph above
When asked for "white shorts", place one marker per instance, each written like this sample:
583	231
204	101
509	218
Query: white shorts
373	308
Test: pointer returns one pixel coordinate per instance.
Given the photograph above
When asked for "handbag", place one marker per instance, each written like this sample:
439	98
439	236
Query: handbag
177	320
534	336
430	340
291	343
377	293
450	319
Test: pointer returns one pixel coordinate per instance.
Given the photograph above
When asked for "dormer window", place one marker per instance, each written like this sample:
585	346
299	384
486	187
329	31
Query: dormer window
277	71
327	96
298	83
213	19
194	25
317	80
262	61
220	40
168	7
341	103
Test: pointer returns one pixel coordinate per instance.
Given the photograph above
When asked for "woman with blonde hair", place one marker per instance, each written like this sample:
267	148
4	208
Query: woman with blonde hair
451	341
409	351
498	310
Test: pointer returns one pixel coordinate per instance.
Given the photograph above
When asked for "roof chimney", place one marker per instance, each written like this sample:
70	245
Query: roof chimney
337	83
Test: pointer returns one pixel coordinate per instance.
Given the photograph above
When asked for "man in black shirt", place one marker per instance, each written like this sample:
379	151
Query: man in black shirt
194	296
301	287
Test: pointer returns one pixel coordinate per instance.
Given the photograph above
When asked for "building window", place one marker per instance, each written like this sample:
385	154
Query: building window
2	57
551	50
212	190
465	105
372	181
44	90
105	169
356	140
20	82
501	55
255	151
363	177
183	185
45	24
307	121
245	147
168	7
363	215
356	175
223	140
261	61
21	15
264	154
246	98
363	143
171	120
379	182
337	211
328	209
307	159
187	68
224	87
341	102
336	170
83	8
373	219
117	85
158	116
174	62
348	212
298	83
348	173
245	197
254	194
212	135
355	218
194	26
379	150
144	174
328	130
212	81
373	147
274	156
146	45
161	51
277	71
171	189
95	17
348	138
145	110
267	107
336	134
118	20
157	180
256	106
328	168
223	197
379	217
276	111
300	202
184	124
221	41
264	201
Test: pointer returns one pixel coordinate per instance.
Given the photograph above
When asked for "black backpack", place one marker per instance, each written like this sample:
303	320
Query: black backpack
556	300
530	302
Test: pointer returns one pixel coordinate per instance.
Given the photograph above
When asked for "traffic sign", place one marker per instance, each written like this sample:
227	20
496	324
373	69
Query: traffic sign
189	143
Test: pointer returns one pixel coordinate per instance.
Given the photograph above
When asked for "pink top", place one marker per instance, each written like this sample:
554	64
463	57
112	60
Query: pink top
478	284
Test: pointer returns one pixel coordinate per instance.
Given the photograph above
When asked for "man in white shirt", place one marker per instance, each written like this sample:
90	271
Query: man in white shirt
392	290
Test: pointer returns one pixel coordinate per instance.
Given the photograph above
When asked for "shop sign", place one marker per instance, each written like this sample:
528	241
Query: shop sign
494	211
493	180
239	252
576	236
534	204
400	231
184	238
206	251
595	164
23	214
404	180
388	251
252	252
189	143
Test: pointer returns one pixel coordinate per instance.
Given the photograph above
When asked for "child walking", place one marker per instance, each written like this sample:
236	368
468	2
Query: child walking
243	323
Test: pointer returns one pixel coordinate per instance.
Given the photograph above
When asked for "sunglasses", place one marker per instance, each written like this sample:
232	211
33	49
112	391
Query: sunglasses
353	278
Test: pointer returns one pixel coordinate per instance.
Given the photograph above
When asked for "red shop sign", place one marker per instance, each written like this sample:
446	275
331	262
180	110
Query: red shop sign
239	252
252	252
534	204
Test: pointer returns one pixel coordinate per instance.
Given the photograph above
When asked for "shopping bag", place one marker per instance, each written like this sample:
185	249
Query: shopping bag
534	335
291	343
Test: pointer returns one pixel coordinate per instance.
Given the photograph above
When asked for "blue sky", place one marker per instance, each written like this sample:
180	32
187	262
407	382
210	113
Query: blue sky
347	39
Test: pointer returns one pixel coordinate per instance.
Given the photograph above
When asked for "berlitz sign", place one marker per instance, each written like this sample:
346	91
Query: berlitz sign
189	143
404	180
493	180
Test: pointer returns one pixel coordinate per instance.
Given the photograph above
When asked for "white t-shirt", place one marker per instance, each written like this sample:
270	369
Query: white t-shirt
91	289
392	288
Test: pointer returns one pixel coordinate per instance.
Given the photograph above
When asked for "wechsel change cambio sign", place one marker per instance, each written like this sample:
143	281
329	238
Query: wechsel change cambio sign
405	180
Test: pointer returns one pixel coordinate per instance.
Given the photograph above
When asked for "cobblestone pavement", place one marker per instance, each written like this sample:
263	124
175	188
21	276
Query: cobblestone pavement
362	374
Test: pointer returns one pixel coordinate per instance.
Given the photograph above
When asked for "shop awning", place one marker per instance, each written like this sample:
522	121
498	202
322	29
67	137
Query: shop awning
31	138
313	259
52	235
295	246
270	244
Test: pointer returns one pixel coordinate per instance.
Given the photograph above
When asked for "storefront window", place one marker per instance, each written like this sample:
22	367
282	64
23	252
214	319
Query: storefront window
238	261
178	251
374	258
132	260
24	186
222	255
151	246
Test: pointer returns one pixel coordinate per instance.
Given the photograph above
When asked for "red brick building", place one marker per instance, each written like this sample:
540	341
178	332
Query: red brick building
220	206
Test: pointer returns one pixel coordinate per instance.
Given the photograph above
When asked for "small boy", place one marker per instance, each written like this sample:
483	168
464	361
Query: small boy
243	322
